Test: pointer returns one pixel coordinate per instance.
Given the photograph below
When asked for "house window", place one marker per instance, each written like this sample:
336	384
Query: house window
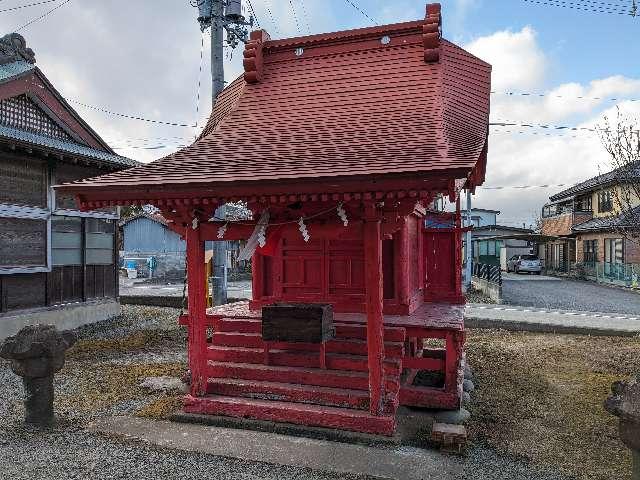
605	201
590	250
66	240
614	250
99	241
23	243
584	204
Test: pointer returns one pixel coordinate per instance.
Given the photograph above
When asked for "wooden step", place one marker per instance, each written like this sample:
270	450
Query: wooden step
297	375
290	412
349	346
343	330
337	397
335	361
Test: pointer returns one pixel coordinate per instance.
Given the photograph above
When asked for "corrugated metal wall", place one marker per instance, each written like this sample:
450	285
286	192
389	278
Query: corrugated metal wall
144	235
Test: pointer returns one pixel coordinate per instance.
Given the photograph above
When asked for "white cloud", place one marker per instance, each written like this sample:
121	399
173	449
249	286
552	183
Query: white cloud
517	60
521	156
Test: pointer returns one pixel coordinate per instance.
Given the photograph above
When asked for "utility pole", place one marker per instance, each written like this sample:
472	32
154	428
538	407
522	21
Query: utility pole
221	15
469	250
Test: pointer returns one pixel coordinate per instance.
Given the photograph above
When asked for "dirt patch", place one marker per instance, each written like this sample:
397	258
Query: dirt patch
540	396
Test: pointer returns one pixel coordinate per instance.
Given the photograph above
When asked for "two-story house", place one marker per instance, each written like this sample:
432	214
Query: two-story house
591	223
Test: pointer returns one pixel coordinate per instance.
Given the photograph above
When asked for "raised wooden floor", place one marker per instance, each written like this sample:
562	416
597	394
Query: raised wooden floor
328	386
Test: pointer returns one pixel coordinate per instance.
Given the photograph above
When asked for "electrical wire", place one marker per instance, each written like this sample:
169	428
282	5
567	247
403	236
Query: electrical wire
535	133
199	83
271	17
131	117
524	187
25	6
350	2
582	7
305	14
295	15
510	123
41	17
253	12
565	97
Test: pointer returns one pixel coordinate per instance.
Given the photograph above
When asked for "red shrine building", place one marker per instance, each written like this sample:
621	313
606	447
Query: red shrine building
339	144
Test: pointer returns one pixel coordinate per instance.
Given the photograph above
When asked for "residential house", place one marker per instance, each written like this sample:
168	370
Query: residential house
591	224
488	246
57	264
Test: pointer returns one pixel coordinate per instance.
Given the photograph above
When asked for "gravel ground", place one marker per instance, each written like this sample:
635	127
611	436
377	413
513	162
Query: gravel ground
106	355
569	295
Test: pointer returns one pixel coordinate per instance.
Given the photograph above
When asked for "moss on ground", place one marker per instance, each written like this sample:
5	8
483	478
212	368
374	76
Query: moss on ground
100	386
136	342
162	408
540	396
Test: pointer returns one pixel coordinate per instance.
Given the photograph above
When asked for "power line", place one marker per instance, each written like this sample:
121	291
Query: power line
584	8
295	16
524	187
350	2
305	14
510	123
46	14
535	133
25	6
271	17
253	13
131	117
565	97
199	82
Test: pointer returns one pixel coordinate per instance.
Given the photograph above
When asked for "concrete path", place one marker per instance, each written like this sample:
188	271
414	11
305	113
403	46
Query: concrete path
402	463
545	320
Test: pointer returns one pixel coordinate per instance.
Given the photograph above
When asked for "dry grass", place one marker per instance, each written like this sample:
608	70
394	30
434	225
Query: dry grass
100	386
162	408
136	342
540	396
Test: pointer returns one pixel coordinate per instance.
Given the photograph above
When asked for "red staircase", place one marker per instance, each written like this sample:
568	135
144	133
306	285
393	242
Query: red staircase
286	382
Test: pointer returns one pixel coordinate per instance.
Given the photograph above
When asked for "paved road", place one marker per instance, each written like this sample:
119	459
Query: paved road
554	293
239	289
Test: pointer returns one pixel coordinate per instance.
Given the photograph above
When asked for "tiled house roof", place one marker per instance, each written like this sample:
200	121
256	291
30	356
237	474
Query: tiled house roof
26	94
603	180
626	220
354	104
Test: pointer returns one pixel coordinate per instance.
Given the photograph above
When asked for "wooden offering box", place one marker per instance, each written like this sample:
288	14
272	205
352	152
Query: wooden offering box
297	323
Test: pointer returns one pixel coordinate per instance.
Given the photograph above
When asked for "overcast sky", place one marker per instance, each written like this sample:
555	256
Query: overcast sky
142	57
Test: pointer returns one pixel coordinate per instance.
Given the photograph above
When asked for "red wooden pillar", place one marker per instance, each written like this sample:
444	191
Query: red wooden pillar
374	301
197	312
404	297
457	248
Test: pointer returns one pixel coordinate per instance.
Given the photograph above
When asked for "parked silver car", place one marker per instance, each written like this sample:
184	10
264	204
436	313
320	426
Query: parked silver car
524	263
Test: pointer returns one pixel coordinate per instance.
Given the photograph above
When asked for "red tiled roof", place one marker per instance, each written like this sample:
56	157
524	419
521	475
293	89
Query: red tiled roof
349	106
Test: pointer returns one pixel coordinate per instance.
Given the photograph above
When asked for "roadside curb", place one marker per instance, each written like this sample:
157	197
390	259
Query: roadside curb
523	326
526	319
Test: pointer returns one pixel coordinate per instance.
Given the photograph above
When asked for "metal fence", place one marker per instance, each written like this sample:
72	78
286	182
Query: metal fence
623	274
492	273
